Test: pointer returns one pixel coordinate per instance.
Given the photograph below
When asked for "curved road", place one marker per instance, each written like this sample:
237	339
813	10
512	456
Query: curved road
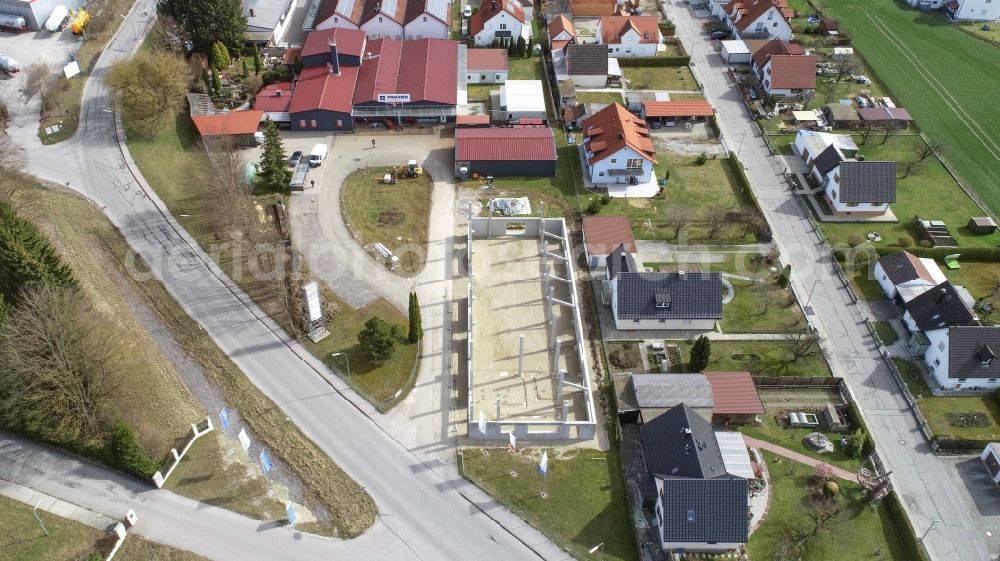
427	511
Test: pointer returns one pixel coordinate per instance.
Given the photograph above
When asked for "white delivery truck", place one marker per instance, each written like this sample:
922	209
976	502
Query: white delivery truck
317	155
57	18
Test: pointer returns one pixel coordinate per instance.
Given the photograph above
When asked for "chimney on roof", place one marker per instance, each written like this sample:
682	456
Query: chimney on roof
334	62
277	93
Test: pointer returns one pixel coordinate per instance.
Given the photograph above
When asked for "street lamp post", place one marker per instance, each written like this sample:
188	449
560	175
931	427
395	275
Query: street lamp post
928	530
348	359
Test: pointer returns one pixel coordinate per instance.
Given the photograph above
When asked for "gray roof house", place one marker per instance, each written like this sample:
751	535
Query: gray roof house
647	396
620	261
974	352
938	308
699	506
828	159
670	301
587	65
862	182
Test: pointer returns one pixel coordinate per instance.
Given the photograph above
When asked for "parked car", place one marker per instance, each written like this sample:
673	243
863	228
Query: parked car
718	35
295	158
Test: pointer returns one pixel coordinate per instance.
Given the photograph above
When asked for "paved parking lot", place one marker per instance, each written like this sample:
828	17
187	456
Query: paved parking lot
29	48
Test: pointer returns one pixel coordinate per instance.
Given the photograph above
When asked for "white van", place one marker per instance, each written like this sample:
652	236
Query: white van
317	155
467	11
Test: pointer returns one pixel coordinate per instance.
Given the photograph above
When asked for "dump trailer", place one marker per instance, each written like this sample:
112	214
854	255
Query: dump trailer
80	21
57	18
298	182
9	22
8	64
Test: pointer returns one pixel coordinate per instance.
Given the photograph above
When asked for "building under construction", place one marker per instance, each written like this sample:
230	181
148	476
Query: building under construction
526	363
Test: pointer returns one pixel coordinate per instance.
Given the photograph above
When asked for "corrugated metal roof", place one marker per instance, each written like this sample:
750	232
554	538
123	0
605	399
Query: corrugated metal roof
668	390
349	41
504	144
734	454
318	89
677	108
234	122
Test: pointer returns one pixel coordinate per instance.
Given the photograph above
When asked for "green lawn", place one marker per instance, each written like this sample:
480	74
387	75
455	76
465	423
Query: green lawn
599	97
911	375
760	358
696	188
378	382
762	307
977	28
792	438
936	408
929	192
397	215
527	68
983	282
481	92
586	505
660	78
858	532
946	79
886	333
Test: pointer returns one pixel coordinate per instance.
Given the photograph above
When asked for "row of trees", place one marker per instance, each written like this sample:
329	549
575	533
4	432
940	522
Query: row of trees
515	47
62	364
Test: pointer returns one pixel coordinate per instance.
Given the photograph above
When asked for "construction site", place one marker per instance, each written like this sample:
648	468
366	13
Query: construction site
527	365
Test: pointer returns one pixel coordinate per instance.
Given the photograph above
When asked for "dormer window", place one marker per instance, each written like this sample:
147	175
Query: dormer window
986	356
662	300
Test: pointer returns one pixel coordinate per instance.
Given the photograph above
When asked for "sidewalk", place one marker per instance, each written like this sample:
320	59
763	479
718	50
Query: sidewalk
800	458
50	504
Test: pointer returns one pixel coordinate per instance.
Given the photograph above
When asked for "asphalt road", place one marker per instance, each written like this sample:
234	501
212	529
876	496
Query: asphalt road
929	489
426	510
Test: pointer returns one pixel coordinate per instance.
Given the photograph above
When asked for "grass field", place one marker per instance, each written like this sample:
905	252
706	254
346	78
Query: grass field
599	97
945	78
760	358
395	215
156	401
586	505
21	539
80	228
762	307
858	532
936	408
983	282
697	188
660	78
886	333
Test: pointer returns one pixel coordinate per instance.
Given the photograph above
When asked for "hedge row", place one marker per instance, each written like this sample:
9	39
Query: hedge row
967	253
651	61
744	183
953	443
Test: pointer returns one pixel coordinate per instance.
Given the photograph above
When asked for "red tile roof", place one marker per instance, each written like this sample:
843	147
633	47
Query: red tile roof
613	27
505	144
756	8
560	45
488	9
328	9
884	114
392	9
423	68
290	56
349	41
755	11
603	234
793	72
677	108
461	120
486	59
275	98
318	89
592	7
614	128
234	122
770	48
560	24
734	393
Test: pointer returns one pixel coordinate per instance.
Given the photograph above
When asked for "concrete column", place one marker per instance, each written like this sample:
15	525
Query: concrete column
498	410
559	387
555	358
520	357
489	220
565	410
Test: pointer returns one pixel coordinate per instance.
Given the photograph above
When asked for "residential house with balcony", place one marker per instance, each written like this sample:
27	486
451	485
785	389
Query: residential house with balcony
619	152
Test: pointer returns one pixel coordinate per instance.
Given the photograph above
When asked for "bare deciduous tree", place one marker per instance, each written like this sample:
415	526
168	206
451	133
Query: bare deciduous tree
803	344
846	66
866	129
61	366
35	77
889	130
677	219
715	220
921	152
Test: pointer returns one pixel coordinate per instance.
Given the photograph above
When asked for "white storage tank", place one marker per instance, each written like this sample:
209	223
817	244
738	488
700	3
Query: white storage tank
56	18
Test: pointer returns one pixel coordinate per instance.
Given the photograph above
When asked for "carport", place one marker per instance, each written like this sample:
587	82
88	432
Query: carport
669	110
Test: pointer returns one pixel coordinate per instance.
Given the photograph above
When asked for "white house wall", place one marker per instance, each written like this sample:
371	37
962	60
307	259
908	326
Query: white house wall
503	21
629	45
599	172
883	281
671	324
385	29
589	80
426	27
770	22
978	9
486	76
936	355
337	21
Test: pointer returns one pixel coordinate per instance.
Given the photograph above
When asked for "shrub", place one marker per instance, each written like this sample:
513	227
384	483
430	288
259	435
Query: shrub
594	207
605	200
854	446
701	159
280	73
854	240
379	337
905	241
123	451
831	489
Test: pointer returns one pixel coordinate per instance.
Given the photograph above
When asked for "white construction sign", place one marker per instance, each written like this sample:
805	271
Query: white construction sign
244	440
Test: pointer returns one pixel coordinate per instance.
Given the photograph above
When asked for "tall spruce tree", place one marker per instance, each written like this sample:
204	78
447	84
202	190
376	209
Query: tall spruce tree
416	330
701	353
220	56
208	21
256	60
273	169
26	256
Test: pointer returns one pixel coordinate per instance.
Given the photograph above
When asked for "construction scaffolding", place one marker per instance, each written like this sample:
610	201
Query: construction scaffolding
527	366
